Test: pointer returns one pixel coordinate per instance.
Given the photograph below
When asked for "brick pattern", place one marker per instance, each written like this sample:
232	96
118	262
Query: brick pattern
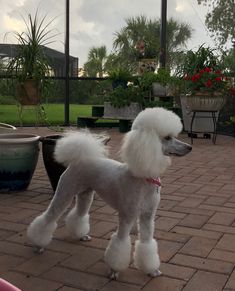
194	226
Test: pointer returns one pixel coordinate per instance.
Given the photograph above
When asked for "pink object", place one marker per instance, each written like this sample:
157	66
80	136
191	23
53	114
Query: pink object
155	181
6	286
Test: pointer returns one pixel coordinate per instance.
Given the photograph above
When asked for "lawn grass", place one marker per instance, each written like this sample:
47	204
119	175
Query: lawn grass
54	114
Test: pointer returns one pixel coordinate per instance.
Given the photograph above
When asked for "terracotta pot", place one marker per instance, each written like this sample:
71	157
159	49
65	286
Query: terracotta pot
29	92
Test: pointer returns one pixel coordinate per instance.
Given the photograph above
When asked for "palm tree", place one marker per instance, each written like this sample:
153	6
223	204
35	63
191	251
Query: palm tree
140	29
95	66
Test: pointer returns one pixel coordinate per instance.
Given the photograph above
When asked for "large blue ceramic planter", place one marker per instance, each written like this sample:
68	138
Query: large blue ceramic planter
18	159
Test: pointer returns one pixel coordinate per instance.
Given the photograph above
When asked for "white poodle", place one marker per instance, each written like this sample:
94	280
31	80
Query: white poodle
132	187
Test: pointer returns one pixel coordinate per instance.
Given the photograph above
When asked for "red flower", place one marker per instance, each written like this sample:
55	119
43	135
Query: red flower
207	70
208	84
201	72
218	72
219	79
195	77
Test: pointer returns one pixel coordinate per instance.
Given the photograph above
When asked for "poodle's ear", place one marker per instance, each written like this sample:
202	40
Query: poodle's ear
142	151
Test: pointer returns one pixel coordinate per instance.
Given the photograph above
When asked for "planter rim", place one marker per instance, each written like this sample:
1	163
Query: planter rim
18	138
7	126
50	139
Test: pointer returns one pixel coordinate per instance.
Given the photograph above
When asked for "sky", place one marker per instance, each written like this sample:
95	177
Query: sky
93	23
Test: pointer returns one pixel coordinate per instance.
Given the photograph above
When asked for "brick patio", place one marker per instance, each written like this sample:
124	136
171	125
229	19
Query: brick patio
195	228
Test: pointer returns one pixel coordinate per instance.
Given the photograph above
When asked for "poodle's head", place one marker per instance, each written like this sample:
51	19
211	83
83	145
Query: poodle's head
152	139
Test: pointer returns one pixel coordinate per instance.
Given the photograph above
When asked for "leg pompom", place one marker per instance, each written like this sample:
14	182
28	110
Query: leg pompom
146	256
118	253
77	225
40	232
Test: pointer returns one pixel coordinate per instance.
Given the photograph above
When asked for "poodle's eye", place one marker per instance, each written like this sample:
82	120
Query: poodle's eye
167	137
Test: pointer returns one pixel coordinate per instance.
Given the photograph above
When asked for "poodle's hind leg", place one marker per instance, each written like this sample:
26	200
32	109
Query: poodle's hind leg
41	229
146	256
118	252
77	221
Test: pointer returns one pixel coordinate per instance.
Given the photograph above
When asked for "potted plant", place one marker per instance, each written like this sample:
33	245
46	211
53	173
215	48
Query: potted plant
155	84
123	102
119	76
205	87
30	65
146	55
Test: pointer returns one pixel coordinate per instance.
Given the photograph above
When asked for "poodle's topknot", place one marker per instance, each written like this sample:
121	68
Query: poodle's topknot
163	121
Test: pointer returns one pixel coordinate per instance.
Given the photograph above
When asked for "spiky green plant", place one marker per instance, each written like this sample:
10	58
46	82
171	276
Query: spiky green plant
30	61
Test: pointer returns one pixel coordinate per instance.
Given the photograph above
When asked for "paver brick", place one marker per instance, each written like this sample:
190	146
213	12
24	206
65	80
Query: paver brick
176	271
231	282
30	283
219	228
119	286
198	246
41	262
75	279
166	223
164	283
168	249
203	264
194	220
206	281
84	258
222	218
222	255
227	242
197	232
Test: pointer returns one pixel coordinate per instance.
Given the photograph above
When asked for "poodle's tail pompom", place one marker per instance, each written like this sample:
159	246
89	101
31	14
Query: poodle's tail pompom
75	146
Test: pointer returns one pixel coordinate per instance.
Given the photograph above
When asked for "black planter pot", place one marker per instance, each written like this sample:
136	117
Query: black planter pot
53	168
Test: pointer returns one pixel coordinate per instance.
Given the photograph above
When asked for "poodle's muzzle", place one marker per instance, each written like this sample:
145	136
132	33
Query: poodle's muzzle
173	146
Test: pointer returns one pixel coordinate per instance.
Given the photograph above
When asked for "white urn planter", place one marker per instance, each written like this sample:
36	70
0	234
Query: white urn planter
204	122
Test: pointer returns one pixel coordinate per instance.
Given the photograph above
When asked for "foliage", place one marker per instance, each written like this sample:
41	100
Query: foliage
148	78
201	71
140	38
220	19
229	60
120	74
121	97
95	66
31	62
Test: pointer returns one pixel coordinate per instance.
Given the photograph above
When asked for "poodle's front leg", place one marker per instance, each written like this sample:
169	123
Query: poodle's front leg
41	229
118	252
77	221
146	256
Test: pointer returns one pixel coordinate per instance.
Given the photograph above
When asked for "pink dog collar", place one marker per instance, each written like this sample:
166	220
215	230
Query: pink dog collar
155	181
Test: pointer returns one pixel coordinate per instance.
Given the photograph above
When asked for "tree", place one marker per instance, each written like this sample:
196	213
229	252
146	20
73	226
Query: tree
95	65
140	29
220	19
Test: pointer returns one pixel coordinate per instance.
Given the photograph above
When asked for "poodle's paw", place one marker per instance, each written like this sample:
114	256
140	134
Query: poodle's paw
113	275
85	238
77	226
38	250
40	232
155	273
